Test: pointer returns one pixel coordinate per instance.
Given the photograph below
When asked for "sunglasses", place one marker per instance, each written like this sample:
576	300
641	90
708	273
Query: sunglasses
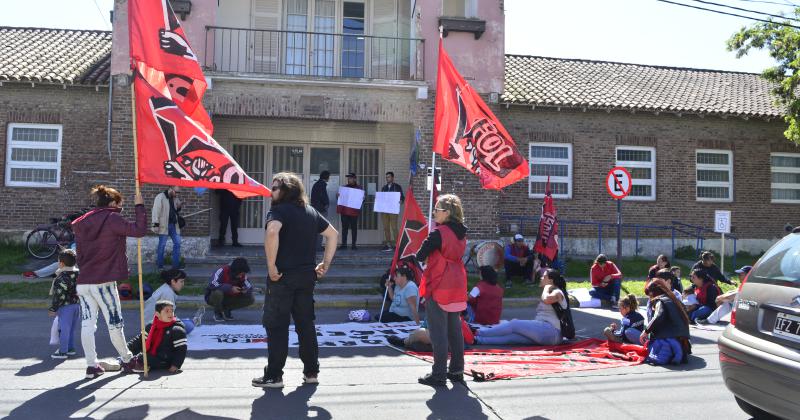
276	188
438	209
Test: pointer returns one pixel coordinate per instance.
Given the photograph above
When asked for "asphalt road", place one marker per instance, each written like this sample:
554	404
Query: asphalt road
356	383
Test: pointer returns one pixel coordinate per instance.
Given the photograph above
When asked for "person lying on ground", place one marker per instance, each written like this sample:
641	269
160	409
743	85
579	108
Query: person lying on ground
606	280
65	304
666	334
544	330
165	341
725	301
405	298
48	270
229	289
485	301
630	326
174	280
706	292
420	339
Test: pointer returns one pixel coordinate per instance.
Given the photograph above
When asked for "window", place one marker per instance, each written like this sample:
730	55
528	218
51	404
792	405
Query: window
33	158
785	177
460	8
714	175
554	160
353	45
641	164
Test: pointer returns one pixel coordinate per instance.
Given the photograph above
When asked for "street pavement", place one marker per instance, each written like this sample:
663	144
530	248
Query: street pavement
356	383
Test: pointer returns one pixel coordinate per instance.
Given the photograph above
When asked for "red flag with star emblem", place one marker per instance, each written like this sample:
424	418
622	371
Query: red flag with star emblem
413	232
175	150
467	133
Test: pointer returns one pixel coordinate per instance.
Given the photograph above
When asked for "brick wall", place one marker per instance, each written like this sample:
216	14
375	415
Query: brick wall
82	113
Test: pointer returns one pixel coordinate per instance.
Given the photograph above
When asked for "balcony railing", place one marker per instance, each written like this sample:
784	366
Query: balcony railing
314	54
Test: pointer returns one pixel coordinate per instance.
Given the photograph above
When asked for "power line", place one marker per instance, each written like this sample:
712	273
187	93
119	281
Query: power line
769	2
729	14
746	10
102	16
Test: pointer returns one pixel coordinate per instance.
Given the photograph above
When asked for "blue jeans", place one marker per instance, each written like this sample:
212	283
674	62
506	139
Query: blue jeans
189	324
519	331
608	292
176	247
68	320
701	312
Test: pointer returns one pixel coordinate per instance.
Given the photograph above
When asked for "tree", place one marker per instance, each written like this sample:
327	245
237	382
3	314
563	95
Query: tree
782	41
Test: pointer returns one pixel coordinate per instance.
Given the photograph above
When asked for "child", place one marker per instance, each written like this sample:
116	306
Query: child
631	324
677	284
486	298
666	334
65	303
173	279
706	292
165	345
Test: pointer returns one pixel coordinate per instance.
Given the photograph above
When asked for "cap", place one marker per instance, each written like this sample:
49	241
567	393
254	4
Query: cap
351	175
519	237
744	270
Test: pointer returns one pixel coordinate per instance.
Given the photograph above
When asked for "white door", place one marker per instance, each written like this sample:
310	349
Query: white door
251	158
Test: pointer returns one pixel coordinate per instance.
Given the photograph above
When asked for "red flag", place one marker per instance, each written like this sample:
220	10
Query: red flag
413	232
467	133
160	51
174	150
547	239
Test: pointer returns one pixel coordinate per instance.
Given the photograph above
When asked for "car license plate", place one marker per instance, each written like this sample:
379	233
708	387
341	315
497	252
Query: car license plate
787	326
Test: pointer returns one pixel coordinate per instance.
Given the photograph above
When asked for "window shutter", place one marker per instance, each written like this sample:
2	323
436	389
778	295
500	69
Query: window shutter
266	46
384	51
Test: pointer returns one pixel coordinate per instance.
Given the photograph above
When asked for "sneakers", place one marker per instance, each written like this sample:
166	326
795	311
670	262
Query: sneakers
455	377
354	247
342	247
59	355
71	352
396	341
219	317
111	366
29	275
431	381
228	316
93	372
387	248
614	304
310	379
264	382
198	316
237	245
135	365
702	321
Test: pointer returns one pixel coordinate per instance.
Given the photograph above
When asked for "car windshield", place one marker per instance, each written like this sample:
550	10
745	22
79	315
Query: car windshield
781	264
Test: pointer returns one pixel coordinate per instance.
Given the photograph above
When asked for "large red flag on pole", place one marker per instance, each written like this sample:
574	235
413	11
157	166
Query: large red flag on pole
160	51
413	232
467	133
547	238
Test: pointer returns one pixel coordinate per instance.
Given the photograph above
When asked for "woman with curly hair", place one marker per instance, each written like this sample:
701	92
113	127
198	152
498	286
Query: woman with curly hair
666	334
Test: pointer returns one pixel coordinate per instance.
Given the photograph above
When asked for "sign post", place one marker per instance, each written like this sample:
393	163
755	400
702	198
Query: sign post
618	185
722	224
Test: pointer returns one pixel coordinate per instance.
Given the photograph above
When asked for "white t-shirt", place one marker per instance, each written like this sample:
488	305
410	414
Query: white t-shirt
546	313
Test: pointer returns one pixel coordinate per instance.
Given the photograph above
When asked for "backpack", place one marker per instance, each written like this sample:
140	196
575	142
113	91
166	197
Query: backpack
565	317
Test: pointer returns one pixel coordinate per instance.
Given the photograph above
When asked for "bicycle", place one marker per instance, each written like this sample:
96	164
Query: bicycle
43	241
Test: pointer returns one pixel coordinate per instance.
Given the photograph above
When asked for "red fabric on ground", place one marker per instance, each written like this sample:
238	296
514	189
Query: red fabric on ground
520	362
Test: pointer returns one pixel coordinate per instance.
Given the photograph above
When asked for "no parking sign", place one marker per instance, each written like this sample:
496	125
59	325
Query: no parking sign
618	182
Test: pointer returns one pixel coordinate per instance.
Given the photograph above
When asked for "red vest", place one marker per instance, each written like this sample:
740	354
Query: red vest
702	293
489	304
445	279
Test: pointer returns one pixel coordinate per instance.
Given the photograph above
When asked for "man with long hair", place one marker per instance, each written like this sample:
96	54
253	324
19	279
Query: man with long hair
290	245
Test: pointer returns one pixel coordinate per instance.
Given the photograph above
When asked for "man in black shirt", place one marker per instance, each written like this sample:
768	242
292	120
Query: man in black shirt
229	206
389	219
292	229
320	200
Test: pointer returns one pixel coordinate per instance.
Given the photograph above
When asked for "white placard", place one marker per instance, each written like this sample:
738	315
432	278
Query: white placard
350	197
387	202
722	221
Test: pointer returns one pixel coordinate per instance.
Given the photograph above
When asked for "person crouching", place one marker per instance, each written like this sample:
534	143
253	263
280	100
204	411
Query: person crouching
165	345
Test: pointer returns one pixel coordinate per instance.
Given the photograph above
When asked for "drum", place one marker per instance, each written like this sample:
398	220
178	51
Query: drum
488	253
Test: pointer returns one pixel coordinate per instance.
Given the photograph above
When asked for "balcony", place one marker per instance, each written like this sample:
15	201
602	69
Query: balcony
313	54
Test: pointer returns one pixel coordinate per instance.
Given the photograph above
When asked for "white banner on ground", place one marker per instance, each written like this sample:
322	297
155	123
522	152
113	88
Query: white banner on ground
352	334
585	299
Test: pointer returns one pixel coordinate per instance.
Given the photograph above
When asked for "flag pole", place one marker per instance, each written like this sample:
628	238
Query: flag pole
433	187
138	240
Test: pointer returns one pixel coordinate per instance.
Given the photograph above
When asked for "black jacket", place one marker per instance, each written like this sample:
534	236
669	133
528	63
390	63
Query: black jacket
64	290
667	321
171	351
319	197
228	202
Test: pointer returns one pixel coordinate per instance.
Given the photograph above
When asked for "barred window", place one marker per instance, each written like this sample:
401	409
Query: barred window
714	175
34	155
785	168
553	160
641	164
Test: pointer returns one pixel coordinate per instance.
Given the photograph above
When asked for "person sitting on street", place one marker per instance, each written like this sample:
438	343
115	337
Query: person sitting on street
518	261
707	265
606	280
404	295
229	289
486	298
174	280
666	334
670	280
630	326
725	301
65	304
662	262
544	330
165	343
706	292
676	273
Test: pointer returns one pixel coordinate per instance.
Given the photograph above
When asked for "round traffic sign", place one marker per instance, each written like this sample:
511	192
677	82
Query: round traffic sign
618	182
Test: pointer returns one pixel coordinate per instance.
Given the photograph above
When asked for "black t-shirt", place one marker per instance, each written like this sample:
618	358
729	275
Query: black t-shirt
300	226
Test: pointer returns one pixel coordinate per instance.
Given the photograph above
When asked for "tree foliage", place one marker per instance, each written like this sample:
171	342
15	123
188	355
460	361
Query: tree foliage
782	42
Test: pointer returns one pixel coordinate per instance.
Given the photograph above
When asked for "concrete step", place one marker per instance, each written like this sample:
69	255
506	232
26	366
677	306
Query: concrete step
201	274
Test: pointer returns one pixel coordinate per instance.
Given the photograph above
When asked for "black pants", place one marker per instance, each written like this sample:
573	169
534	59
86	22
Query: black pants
291	296
349	222
514	269
233	215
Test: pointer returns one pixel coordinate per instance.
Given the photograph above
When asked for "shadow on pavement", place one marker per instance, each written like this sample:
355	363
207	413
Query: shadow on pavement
69	399
454	403
188	414
294	405
130	413
44	365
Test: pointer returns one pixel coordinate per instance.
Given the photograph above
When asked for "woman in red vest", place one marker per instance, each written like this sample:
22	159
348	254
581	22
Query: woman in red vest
444	286
486	298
